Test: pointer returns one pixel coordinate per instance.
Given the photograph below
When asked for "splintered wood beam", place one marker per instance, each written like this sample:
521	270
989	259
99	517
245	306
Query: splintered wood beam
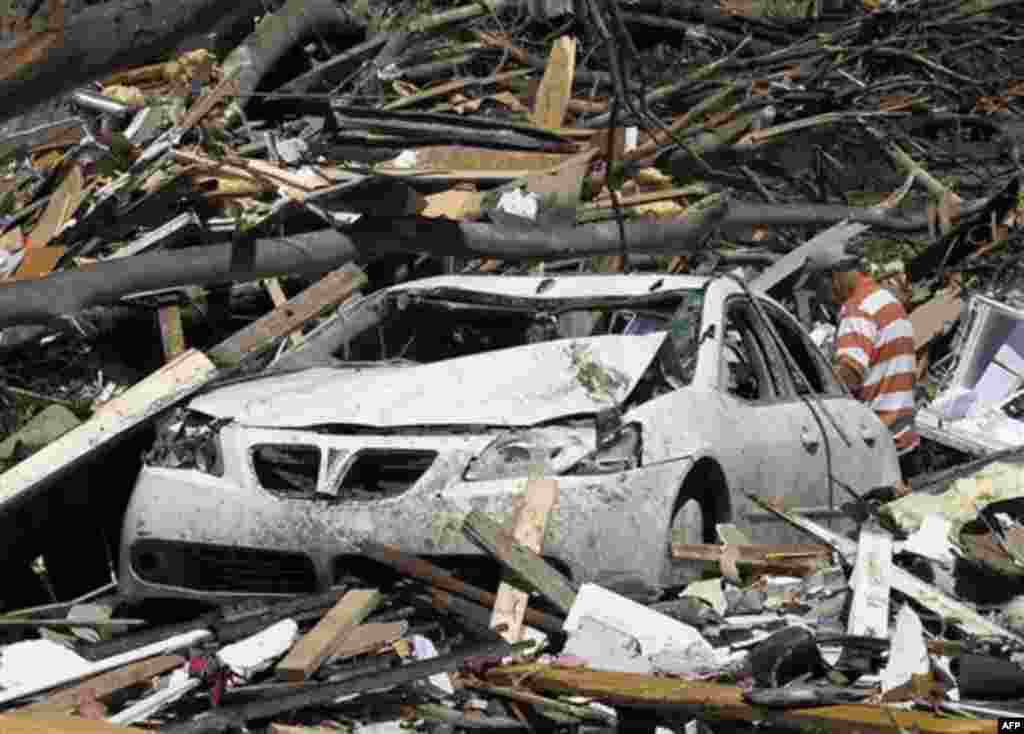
510	606
20	723
519	559
718	702
315	647
287	318
555	89
172	335
105	684
792	560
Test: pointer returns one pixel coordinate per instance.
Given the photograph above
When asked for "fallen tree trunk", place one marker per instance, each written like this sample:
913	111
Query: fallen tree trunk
296	21
100	41
50	298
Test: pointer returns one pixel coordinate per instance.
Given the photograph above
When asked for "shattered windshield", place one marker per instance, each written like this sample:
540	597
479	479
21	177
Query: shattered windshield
430	328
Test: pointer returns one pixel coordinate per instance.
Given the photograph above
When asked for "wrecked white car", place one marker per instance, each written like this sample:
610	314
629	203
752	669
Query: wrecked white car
656	401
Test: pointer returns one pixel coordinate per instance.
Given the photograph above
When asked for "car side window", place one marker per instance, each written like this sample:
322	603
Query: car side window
746	371
815	374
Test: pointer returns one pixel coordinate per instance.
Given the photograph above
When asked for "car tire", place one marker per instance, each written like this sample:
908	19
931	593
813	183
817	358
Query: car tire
687	527
688	523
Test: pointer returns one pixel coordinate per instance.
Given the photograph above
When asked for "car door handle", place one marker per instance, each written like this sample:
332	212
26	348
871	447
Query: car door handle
809	439
869	434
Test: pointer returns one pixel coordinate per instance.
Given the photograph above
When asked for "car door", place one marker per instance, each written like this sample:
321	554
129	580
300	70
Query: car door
862	451
779	451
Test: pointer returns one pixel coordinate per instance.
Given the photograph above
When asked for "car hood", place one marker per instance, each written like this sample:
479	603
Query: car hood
516	387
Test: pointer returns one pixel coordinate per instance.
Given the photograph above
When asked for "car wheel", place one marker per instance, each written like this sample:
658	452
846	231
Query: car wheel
688	523
687	528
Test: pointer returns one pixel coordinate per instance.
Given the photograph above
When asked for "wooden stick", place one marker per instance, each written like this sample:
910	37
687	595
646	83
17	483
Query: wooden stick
106	684
312	650
723	702
521	560
510	606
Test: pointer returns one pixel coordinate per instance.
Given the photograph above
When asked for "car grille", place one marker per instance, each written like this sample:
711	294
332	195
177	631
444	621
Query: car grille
217	568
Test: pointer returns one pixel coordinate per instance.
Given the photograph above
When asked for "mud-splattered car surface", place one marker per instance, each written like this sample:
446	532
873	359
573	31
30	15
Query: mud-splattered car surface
654	400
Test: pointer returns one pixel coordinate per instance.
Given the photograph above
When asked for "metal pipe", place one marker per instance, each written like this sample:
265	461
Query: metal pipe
101	103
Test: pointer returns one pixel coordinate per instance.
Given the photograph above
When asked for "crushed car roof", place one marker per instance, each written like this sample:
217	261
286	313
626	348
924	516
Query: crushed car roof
559	286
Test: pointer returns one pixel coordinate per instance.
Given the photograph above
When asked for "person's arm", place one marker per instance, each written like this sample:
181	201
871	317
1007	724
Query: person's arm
855	341
848	375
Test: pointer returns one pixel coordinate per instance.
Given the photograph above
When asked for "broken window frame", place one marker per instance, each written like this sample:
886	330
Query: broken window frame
773	386
783	322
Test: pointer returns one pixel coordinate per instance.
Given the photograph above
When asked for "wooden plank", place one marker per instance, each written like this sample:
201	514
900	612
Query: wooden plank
442	89
273	286
788	560
715	701
172	335
367	638
310	651
174	382
63	203
328	292
524	562
510	606
105	684
555	89
37	263
20	723
144	400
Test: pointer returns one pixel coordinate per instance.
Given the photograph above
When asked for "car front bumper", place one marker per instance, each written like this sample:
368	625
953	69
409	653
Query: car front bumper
191	535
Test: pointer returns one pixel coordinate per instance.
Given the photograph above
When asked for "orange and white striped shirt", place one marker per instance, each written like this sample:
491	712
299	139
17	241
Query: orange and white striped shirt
876	340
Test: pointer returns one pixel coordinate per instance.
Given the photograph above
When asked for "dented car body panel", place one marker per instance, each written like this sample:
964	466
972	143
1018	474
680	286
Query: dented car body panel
614	388
514	387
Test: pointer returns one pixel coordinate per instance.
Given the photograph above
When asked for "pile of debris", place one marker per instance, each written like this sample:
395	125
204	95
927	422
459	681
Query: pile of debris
183	175
783	638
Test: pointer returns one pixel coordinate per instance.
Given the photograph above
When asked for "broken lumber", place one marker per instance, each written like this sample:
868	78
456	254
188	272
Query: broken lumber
172	334
522	561
367	638
555	89
105	684
20	723
724	702
905	583
510	606
180	642
290	316
169	385
439	578
220	720
786	560
315	647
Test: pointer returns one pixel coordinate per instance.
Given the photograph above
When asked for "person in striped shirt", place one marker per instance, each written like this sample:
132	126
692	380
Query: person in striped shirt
874	348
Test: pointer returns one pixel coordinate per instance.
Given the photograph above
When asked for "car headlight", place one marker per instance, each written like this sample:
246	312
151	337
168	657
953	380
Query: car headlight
187	439
620	451
534	452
